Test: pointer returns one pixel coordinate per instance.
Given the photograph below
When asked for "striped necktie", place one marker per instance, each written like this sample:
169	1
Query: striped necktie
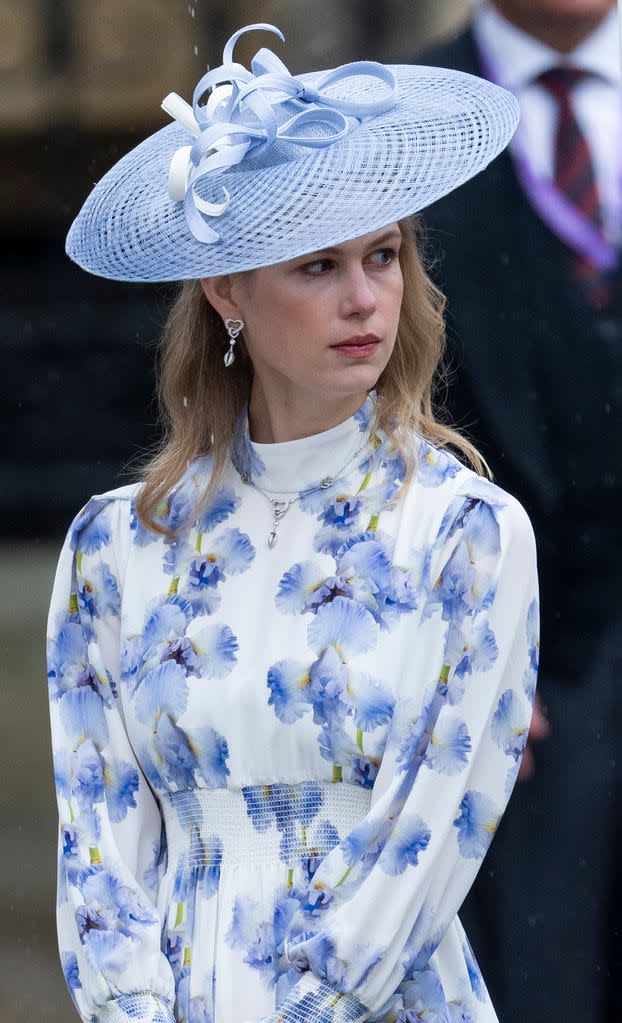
573	174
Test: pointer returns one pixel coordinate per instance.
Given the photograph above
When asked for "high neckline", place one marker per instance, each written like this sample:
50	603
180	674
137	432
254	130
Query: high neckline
290	467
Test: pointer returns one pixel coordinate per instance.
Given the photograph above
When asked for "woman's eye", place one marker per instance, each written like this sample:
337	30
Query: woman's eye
318	266
383	256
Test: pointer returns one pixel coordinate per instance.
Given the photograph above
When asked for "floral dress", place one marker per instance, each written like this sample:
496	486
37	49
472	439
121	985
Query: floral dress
279	767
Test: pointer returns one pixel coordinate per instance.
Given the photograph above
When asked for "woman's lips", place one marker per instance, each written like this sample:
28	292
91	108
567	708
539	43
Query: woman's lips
358	347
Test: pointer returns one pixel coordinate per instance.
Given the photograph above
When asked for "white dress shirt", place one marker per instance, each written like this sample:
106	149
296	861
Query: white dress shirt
516	59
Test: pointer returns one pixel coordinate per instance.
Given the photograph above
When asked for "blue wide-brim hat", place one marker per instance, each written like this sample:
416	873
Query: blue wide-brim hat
275	166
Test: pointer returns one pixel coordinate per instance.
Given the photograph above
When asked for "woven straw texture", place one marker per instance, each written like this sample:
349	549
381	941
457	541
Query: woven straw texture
445	127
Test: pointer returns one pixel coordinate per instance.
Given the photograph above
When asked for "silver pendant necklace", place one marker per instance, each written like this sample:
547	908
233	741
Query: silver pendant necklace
280	507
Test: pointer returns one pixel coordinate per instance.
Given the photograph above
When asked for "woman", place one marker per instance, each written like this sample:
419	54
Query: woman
291	672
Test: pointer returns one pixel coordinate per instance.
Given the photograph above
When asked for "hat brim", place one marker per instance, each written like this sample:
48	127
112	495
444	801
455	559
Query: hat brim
445	128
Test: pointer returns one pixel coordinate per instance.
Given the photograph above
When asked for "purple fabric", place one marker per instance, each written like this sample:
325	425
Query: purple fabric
564	219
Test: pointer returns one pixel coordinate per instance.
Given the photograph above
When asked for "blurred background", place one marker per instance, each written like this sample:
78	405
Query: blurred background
80	83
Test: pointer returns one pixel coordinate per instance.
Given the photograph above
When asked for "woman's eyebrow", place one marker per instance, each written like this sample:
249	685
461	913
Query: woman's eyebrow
382	239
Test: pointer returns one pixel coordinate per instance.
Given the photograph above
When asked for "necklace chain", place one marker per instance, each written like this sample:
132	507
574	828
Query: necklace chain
280	507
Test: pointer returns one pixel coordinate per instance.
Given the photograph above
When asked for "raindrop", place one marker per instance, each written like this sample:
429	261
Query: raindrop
196	51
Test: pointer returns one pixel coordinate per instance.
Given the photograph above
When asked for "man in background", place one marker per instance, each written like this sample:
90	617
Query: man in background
528	254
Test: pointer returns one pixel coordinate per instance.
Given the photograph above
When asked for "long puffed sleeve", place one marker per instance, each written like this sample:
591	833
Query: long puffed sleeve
382	901
110	824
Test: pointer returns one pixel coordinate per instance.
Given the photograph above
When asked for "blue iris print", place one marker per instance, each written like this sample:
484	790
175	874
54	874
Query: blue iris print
245	457
533	641
199	1010
230	553
422	942
327	692
449	748
281	804
424	998
109	904
210	750
83	717
181	505
481	530
287	682
477	822
364	573
121	785
435	466
262	940
160	699
141	536
108	952
476	518
153	872
163	691
87	829
71	970
344	624
70	667
183	753
211	652
165	624
364	768
370	703
385	461
176	762
173	952
323	839
90	531
87	774
461	1011
98	595
363	416
223	504
475	977
318	950
413	734
337	745
332	505
470	646
410	837
298	589
465	587
329	539
206	859
364	843
289	808
179	552
511	778
510	724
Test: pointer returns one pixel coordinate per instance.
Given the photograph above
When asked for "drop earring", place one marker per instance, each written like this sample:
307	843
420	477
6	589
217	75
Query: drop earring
233	328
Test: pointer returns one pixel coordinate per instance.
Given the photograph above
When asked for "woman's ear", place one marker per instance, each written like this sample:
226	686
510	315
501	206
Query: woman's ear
218	292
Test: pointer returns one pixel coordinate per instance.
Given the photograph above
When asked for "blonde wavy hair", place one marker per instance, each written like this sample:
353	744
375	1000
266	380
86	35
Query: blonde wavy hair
200	398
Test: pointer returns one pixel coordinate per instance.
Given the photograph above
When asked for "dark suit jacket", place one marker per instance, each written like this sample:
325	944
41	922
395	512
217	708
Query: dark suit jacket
538	386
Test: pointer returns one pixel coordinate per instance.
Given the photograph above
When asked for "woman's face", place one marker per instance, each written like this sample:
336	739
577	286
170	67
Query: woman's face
323	324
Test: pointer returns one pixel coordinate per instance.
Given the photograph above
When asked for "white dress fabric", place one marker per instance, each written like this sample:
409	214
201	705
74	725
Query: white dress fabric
279	769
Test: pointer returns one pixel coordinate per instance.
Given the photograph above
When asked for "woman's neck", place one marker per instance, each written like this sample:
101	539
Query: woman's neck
273	419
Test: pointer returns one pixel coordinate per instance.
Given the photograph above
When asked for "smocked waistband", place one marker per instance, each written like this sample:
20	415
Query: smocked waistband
261	823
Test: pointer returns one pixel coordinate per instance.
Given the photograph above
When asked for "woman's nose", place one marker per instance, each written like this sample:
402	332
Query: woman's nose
358	297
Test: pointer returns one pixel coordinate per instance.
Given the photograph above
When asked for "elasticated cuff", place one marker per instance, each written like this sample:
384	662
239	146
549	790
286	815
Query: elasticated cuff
311	1000
143	1007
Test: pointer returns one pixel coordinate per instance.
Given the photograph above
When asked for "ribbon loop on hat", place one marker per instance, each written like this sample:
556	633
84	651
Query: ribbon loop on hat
239	119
